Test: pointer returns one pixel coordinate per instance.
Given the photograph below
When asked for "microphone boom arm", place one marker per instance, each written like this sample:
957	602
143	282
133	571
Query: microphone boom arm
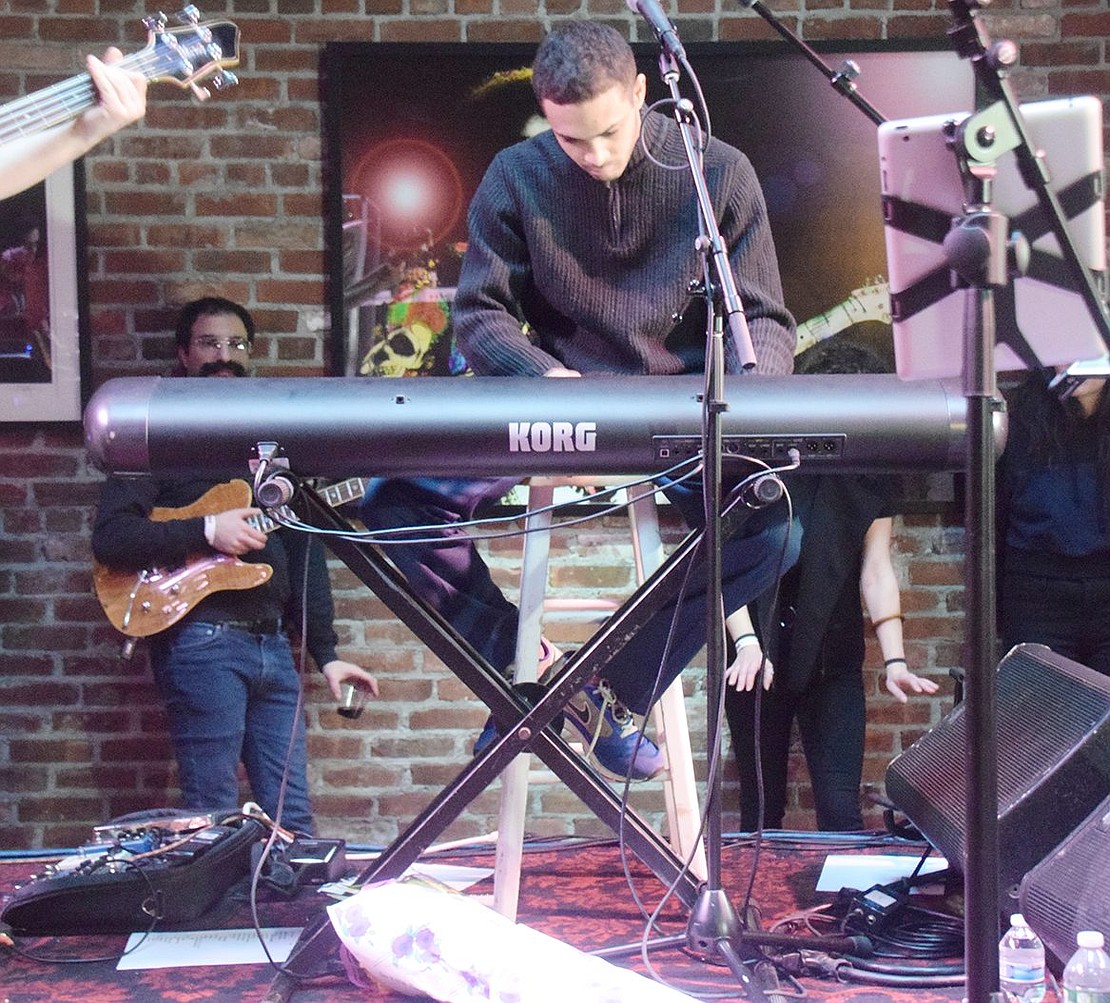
843	80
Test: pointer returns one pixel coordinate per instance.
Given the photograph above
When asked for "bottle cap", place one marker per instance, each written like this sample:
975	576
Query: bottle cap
1089	939
1017	919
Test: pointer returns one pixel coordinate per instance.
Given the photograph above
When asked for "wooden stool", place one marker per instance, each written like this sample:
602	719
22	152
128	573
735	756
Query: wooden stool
669	714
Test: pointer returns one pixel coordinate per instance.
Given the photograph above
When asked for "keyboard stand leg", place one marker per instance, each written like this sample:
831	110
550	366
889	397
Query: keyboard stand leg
318	941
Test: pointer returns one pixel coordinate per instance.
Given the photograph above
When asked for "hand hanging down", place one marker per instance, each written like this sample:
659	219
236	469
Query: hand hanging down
338	672
750	659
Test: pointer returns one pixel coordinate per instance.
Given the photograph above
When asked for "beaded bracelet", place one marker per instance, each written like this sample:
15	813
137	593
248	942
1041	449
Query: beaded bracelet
875	624
895	661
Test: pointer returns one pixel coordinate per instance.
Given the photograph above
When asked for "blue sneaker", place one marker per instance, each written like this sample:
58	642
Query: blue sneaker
549	655
612	735
487	736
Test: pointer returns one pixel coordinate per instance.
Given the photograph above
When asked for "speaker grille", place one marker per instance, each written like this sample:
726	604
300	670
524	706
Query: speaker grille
1053	764
1069	890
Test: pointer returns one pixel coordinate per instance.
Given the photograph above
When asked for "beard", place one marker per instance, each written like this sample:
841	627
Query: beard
221	368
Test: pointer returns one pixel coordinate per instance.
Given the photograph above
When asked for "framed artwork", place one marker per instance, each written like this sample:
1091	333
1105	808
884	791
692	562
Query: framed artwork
410	129
43	318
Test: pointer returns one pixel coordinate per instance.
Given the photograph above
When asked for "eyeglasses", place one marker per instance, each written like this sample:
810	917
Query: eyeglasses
208	343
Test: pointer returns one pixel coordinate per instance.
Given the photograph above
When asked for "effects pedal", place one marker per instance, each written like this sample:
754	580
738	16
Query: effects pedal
317	861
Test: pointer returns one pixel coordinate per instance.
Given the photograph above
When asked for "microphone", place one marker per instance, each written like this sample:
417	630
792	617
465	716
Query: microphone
275	491
764	490
665	32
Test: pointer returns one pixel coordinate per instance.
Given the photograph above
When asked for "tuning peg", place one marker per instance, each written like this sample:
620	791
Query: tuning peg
220	81
224	79
188	15
155	22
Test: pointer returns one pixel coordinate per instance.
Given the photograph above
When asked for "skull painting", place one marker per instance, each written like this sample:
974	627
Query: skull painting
405	344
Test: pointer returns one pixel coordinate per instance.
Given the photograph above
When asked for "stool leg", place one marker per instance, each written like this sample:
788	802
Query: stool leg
680	790
514	779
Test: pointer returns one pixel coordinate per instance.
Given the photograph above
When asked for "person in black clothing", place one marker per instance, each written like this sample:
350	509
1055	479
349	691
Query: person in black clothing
815	651
226	670
581	256
1053	522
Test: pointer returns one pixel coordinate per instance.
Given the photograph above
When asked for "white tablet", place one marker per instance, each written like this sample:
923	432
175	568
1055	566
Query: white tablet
1042	319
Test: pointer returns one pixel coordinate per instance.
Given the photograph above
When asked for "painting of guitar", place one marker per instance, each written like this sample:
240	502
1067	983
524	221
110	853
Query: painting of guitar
870	302
145	603
183	56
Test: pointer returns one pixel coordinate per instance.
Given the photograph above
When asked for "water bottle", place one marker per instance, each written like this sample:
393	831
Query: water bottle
1087	976
1021	962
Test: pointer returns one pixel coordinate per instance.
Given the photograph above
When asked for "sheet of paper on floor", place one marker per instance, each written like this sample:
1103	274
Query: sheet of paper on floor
863	871
185	948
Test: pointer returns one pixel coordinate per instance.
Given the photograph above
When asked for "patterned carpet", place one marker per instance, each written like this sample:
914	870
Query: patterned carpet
575	892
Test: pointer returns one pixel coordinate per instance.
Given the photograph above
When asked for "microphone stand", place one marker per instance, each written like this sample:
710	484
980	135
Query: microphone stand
714	929
977	249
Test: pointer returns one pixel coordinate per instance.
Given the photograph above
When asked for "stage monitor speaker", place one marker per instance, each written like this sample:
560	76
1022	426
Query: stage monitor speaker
1069	890
1053	718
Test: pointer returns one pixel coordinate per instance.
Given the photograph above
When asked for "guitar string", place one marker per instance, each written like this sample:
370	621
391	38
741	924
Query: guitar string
59	102
333	495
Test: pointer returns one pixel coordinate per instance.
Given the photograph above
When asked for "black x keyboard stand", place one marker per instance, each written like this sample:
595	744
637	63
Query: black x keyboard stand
318	940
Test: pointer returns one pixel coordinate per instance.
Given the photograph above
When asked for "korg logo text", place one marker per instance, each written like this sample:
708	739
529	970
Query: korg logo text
552	437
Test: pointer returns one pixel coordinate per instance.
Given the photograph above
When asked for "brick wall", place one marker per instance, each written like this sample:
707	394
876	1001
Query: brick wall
226	197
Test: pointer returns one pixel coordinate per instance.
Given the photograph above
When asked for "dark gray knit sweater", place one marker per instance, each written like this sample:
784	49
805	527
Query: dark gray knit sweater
565	270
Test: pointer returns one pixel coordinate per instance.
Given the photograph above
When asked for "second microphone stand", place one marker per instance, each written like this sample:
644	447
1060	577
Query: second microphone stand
714	928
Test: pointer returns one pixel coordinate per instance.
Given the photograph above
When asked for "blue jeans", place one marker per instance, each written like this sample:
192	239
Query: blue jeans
230	697
454	580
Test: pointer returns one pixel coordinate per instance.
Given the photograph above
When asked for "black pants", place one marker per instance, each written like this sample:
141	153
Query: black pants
1070	616
831	715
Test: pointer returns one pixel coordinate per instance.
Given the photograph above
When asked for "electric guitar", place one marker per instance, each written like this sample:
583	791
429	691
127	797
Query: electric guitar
182	56
870	302
148	602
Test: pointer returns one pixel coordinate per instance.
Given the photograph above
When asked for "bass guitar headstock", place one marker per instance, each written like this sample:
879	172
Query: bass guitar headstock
190	53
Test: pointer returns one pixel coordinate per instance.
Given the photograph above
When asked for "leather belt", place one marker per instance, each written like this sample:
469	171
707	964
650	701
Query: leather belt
264	626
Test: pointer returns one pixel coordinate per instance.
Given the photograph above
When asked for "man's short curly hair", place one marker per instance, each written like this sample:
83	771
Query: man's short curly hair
578	60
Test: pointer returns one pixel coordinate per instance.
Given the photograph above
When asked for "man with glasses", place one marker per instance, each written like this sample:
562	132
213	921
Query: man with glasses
214	338
226	670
